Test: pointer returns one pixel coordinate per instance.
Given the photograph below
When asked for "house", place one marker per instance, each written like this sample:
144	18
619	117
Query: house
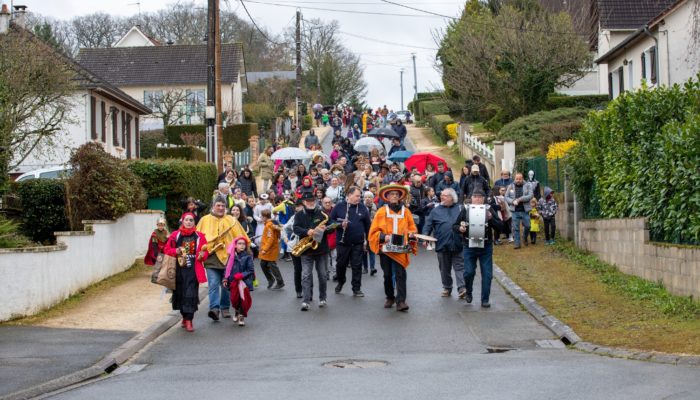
135	37
657	52
170	79
100	112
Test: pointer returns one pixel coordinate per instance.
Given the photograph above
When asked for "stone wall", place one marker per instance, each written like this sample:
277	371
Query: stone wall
625	244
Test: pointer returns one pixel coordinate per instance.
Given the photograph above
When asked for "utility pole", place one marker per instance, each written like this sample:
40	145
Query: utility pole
211	83
401	88
217	73
298	54
415	79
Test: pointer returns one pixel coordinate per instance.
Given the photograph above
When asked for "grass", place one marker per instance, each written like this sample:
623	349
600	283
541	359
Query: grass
601	304
136	270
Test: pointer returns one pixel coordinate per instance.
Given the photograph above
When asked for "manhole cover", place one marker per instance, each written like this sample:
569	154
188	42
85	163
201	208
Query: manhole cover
356	364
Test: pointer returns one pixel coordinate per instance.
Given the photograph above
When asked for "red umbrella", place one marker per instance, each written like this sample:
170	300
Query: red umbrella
420	160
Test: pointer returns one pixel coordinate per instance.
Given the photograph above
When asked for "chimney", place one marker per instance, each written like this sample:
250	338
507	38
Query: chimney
19	15
4	19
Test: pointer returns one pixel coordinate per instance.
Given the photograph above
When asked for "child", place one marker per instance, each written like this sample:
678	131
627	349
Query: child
239	276
547	207
269	251
505	215
534	221
157	242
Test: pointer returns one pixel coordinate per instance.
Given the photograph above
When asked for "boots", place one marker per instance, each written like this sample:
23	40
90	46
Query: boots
402	306
182	325
188	325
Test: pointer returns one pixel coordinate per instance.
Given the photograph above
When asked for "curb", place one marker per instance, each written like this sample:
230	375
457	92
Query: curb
108	363
570	338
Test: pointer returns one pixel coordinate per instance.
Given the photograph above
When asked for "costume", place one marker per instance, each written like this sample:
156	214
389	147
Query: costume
239	277
269	251
156	243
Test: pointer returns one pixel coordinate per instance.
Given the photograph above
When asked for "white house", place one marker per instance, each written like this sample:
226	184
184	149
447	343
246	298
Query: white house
135	38
657	52
100	112
152	72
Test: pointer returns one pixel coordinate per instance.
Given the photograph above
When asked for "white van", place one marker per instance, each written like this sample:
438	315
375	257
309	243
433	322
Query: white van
45	173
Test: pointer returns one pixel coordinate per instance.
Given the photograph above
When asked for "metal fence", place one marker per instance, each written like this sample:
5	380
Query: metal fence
547	172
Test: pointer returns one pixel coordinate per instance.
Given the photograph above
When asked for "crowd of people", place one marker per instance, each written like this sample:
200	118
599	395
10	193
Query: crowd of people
340	211
359	121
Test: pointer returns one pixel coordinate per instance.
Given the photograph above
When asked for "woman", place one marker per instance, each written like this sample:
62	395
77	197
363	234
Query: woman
334	191
336	153
301	172
249	209
278	183
232	179
375	161
247	182
187	246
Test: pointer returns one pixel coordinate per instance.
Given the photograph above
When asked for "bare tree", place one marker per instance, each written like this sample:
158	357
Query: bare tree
168	105
96	30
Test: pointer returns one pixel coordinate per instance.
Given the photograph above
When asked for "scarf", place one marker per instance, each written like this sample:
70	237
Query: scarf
187	231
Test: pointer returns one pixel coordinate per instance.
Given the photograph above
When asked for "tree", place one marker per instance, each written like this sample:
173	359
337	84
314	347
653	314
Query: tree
35	98
167	106
96	30
276	92
510	60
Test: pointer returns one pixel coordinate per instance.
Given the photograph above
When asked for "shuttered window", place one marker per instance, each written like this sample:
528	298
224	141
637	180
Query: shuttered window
103	114
652	62
93	118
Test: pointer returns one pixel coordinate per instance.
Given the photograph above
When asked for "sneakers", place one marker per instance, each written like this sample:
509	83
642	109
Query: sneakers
389	303
446	293
225	314
402	306
358	293
338	288
510	239
304	306
299	295
235	317
462	293
279	286
485	304
468	297
270	284
322	304
364	271
373	272
517	246
241	321
182	325
214	314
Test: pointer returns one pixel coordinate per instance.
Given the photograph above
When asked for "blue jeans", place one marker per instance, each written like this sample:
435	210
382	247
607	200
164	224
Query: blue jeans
368	259
485	258
518	217
219	296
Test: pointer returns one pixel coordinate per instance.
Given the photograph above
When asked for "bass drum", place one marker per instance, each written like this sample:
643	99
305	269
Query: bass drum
477	225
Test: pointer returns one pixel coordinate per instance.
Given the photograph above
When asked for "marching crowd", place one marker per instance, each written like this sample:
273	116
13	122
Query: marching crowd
345	210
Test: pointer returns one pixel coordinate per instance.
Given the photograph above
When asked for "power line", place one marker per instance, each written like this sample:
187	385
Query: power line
342	11
257	27
418	9
387	42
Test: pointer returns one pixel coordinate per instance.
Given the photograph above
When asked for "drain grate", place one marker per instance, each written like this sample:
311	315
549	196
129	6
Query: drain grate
550	344
497	349
358	364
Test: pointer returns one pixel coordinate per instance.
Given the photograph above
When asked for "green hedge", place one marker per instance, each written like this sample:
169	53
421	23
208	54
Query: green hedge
43	208
185	153
173	132
640	158
176	180
149	142
428	95
307	122
589	101
236	136
439	124
540	129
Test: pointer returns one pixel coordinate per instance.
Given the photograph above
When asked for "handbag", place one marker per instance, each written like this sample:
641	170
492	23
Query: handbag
166	273
156	268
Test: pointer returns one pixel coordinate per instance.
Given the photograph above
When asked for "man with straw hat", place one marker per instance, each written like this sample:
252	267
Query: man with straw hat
389	236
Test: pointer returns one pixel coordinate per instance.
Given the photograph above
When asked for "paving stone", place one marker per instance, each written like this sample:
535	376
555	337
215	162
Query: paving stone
585	346
665	358
689	360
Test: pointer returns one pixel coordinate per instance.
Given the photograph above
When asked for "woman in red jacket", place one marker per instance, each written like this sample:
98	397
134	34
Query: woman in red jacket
187	245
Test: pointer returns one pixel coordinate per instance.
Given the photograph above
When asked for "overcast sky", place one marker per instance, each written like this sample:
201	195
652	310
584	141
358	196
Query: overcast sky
383	80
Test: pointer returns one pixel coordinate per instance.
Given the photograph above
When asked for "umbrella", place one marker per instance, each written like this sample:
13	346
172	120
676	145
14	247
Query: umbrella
316	153
420	160
290	153
366	144
400	156
317	106
383	132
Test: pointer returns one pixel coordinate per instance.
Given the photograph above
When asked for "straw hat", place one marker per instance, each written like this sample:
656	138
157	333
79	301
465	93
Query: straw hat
384	190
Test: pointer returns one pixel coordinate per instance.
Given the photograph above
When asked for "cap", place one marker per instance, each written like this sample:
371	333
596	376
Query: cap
475	168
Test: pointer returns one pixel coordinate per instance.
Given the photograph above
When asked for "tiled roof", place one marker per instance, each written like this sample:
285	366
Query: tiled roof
629	14
160	65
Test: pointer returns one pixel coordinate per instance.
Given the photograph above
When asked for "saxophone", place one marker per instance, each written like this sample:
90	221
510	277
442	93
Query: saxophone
310	242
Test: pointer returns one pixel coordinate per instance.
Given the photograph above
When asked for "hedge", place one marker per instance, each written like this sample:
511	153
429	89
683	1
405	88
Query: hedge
596	101
433	107
640	158
428	95
307	122
149	142
173	132
43	208
439	124
176	180
540	129
262	114
236	136
184	152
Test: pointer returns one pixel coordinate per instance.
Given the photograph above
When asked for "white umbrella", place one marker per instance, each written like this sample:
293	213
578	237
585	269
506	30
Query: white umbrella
366	144
290	153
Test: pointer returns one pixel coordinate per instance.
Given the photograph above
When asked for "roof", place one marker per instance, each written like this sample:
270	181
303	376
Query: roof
629	14
87	79
136	31
639	34
258	76
161	65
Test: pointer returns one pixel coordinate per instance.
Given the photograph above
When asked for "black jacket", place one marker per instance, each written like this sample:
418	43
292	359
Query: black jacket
358	222
493	223
309	219
417	195
248	186
400	130
472	182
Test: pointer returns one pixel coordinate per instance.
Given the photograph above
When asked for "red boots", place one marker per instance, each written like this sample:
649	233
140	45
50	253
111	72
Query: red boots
188	325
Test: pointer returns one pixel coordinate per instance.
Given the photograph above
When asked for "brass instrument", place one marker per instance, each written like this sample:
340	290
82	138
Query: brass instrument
310	242
347	213
216	240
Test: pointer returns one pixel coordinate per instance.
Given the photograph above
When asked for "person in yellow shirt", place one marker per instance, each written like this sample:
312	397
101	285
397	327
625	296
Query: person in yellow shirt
534	221
365	115
220	230
270	250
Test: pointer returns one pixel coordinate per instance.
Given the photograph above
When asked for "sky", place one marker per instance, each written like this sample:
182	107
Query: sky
381	59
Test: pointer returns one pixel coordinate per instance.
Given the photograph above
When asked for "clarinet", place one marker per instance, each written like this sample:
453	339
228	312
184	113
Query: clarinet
347	213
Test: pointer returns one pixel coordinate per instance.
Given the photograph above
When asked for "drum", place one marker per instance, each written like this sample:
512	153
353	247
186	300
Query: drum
477	225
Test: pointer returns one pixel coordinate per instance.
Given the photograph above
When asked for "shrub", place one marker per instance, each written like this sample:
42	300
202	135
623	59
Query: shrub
588	101
176	180
439	124
101	186
560	149
236	136
9	235
174	132
538	130
149	142
640	157
307	122
262	114
452	131
43	208
429	108
428	95
183	152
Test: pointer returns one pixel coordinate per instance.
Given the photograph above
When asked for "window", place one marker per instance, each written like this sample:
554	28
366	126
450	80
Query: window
152	98
621	79
128	135
123	129
115	126
103	121
93	118
195	104
630	75
649	65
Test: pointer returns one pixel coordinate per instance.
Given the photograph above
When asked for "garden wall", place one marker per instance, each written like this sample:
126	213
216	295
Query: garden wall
36	278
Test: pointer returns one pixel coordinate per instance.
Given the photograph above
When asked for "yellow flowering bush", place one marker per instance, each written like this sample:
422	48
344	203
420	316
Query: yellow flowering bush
559	149
452	131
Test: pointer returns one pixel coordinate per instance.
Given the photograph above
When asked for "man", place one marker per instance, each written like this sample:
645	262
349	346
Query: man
394	175
447	183
311	140
400	129
505	180
417	191
384	113
350	238
449	250
482	254
220	229
396	145
474	181
437	177
393	224
518	197
311	222
265	167
483	171
347	167
223	191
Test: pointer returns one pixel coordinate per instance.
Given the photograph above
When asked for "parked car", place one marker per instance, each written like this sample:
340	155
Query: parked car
405	116
45	173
